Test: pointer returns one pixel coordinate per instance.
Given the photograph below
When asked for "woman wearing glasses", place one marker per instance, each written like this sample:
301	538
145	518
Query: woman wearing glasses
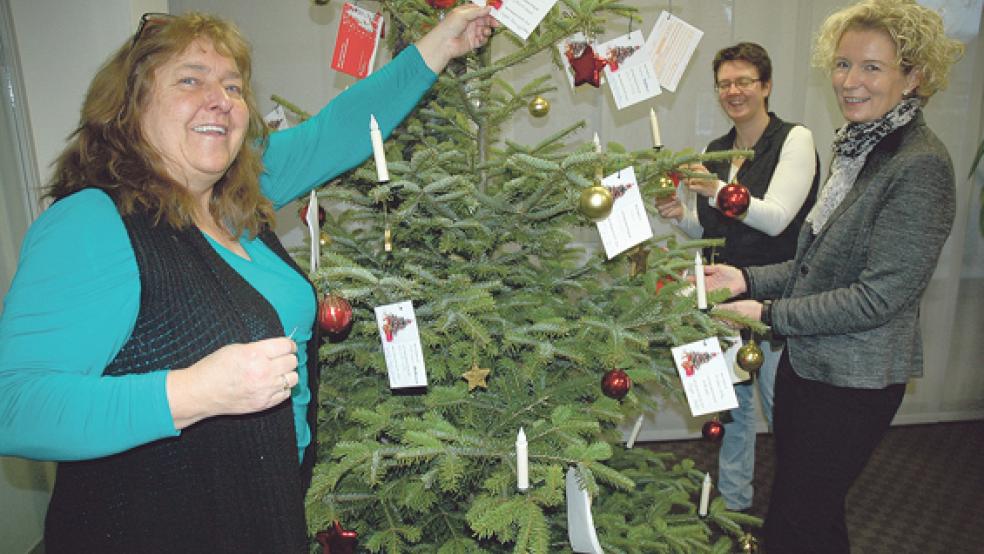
848	303
142	343
782	179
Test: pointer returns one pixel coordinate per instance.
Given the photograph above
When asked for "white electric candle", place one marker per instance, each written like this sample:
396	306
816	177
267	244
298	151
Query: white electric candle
635	432
597	143
705	495
654	125
382	172
699	282
522	462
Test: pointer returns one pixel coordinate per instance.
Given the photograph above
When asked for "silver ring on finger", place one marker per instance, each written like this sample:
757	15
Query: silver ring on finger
283	377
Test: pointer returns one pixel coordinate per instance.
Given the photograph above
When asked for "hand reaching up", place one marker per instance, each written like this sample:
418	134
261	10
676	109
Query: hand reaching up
462	30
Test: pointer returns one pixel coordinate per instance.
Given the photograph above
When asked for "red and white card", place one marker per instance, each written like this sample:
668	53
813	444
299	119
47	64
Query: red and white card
358	41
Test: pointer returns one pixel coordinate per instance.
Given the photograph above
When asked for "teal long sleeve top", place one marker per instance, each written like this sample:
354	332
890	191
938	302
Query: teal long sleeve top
75	297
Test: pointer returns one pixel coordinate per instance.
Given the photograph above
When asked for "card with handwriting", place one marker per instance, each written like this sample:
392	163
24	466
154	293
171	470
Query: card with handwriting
705	376
400	337
670	46
628	224
631	76
357	41
519	16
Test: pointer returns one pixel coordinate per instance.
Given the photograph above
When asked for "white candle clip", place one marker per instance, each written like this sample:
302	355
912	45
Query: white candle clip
705	495
699	282
522	462
654	125
378	153
635	432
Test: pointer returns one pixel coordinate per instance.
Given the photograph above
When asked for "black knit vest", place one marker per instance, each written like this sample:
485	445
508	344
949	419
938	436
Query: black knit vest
743	245
227	483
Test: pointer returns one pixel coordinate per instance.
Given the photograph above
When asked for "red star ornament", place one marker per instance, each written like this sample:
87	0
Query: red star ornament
337	540
587	67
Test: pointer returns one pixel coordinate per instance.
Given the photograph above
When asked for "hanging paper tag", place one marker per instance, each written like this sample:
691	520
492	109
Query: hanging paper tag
580	524
519	16
314	231
357	41
277	119
705	376
400	337
628	224
630	75
669	47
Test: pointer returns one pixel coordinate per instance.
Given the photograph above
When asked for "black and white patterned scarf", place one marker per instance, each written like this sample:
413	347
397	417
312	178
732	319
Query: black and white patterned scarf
852	143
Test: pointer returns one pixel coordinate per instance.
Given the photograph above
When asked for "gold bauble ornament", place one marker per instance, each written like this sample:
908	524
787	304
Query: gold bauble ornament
324	239
595	203
750	357
539	106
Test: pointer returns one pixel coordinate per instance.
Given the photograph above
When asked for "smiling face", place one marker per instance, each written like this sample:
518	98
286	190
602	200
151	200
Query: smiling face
866	78
196	116
742	104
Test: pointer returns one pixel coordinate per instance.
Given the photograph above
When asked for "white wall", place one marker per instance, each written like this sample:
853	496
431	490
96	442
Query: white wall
60	46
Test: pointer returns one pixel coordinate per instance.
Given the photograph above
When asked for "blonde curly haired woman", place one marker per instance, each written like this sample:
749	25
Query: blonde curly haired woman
848	303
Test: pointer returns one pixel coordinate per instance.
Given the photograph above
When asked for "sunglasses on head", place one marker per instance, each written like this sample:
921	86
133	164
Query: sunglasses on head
150	23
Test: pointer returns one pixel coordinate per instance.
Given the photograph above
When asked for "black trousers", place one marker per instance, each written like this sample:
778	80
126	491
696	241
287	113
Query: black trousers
824	436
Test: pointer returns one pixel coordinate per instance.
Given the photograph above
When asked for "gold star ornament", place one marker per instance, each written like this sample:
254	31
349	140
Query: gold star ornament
476	376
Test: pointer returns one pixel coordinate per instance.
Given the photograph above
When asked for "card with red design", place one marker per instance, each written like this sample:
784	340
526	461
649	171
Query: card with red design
630	75
628	224
400	337
519	16
705	376
357	41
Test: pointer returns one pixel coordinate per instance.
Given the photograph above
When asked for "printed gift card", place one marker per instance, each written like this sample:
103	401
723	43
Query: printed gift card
357	41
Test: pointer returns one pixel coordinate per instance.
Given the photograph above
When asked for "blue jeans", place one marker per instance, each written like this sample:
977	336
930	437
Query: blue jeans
736	459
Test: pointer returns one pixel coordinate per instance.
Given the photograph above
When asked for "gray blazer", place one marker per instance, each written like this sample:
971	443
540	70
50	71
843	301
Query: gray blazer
848	303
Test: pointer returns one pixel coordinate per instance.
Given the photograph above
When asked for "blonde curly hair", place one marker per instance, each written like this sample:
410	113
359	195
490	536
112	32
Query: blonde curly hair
920	41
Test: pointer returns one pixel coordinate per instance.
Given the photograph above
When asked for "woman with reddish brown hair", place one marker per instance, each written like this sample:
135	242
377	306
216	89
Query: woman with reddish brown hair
144	341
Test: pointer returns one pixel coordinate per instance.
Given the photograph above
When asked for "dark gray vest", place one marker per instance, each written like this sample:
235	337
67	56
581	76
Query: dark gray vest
743	245
226	484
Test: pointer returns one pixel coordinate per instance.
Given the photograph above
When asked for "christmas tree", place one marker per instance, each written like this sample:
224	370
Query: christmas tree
518	324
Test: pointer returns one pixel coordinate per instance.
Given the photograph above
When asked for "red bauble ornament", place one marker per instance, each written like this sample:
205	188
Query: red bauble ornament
334	314
733	200
587	67
441	4
337	540
322	214
616	384
497	4
713	431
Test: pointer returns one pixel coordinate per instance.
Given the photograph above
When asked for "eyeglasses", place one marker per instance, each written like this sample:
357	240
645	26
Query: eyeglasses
743	83
150	23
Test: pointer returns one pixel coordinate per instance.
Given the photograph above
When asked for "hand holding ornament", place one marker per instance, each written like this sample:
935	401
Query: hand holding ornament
703	186
720	276
670	208
235	379
751	309
462	30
